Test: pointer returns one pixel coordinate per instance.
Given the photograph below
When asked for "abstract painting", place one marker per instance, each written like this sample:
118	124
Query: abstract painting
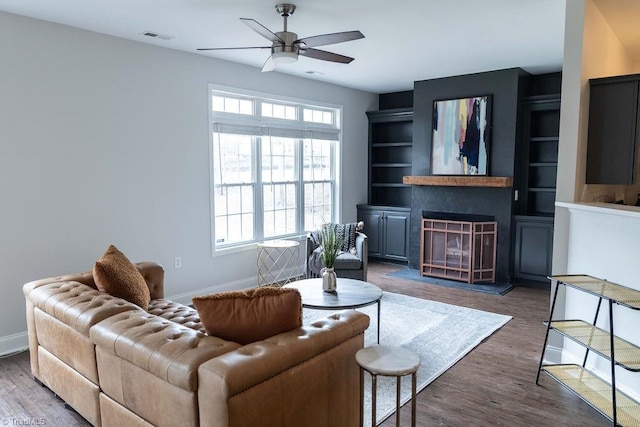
460	141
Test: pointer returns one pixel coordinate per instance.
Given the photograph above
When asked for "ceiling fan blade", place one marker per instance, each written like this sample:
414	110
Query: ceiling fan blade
230	48
262	30
269	65
325	39
325	56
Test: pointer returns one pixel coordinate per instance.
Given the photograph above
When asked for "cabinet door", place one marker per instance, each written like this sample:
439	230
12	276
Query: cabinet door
611	147
373	229
534	249
396	235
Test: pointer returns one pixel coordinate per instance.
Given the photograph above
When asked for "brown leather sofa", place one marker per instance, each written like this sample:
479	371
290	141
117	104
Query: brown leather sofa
117	364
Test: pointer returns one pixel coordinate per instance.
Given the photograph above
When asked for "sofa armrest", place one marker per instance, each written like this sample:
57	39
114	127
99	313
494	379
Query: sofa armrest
362	246
297	376
309	248
153	274
75	304
309	245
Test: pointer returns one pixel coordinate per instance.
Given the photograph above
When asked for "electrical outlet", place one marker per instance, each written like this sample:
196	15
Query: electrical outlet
177	262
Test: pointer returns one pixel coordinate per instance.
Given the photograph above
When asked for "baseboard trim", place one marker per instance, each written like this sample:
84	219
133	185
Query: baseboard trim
15	343
553	355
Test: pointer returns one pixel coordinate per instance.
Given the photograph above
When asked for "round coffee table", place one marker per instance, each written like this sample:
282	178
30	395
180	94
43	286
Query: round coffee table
350	293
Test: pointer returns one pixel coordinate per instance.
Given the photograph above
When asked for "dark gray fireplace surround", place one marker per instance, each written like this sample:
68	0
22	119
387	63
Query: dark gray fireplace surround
504	86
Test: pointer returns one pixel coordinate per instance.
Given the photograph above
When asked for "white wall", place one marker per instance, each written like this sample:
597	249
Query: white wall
104	140
604	243
600	241
591	50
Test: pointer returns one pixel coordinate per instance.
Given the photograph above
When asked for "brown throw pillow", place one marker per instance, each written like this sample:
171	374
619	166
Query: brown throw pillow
116	275
248	316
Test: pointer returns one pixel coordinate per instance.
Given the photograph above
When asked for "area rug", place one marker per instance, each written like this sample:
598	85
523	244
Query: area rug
487	288
441	334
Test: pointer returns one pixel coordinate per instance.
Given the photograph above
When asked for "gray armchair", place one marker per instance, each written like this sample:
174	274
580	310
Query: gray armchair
348	265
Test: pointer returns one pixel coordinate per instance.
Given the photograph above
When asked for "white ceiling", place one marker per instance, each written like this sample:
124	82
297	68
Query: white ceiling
404	41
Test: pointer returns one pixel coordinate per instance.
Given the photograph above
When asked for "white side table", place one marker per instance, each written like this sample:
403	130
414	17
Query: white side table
387	361
277	262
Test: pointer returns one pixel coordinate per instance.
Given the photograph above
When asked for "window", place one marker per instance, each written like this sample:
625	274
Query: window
273	167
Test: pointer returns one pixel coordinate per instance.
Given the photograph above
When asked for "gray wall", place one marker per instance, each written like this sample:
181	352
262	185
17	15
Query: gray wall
104	140
503	85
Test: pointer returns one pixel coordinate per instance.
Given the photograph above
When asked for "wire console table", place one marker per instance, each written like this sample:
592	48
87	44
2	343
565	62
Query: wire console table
603	396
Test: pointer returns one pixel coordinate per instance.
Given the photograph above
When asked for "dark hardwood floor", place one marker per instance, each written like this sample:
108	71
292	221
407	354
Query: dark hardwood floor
25	402
494	385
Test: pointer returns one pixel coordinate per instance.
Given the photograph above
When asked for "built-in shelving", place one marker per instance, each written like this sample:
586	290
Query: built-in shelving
390	156
541	128
536	189
602	395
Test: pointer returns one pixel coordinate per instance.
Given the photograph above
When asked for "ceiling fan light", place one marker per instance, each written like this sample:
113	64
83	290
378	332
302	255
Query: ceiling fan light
285	57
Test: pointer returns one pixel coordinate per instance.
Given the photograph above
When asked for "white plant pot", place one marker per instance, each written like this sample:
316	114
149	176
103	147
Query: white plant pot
329	280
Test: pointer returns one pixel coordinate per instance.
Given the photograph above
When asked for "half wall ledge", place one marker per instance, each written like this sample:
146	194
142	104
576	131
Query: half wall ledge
460	181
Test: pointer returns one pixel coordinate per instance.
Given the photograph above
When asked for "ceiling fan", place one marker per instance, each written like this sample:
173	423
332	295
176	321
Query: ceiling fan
286	46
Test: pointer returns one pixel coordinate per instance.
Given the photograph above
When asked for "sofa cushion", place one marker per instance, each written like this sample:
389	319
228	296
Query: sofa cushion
248	316
348	261
344	261
116	275
177	313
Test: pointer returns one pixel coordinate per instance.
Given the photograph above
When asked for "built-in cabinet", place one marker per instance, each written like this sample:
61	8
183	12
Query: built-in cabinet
614	130
387	231
533	248
536	194
387	216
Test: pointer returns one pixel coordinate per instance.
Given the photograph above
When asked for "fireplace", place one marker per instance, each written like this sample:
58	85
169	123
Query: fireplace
459	247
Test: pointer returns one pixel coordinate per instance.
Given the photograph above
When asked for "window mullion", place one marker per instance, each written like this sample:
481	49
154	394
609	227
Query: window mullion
300	186
258	218
334	196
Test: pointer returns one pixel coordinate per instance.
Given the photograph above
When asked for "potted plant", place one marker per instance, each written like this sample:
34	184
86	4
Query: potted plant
330	250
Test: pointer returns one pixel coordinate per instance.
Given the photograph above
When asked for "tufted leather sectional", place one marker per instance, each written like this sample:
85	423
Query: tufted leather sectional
117	364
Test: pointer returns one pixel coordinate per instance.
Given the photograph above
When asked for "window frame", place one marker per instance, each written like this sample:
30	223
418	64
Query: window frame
257	120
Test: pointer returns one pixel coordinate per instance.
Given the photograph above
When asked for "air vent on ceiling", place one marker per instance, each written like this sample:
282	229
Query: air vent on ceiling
157	35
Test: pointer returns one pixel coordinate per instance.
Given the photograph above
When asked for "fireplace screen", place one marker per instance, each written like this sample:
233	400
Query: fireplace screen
458	250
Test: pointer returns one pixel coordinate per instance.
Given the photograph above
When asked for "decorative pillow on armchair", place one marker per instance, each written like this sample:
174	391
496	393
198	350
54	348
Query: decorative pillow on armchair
345	233
248	316
115	274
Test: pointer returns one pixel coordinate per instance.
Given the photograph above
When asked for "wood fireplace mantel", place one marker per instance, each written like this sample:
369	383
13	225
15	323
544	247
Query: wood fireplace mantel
460	181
